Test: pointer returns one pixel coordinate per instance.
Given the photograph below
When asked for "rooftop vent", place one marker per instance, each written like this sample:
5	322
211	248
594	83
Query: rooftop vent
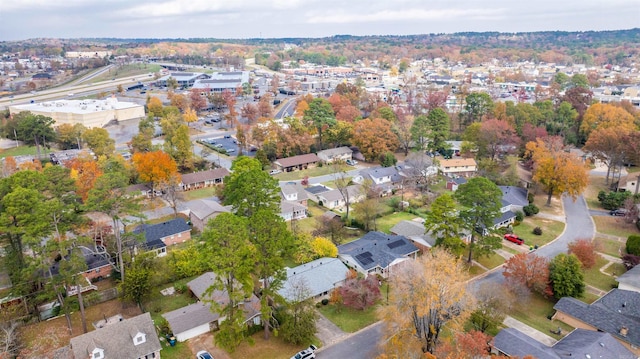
624	331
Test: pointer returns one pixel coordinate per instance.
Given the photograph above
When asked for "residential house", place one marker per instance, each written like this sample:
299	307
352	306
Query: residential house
616	313
454	182
99	265
199	318
293	203
333	198
415	231
630	280
340	154
315	279
377	253
515	196
203	179
161	235
630	184
300	162
455	146
507	216
464	167
132	338
202	210
580	343
140	190
385	179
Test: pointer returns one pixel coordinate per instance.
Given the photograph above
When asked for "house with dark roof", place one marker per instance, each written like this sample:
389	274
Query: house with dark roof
293	202
415	231
630	280
454	182
199	318
580	343
516	197
131	338
339	154
203	210
300	162
315	279
616	313
377	253
385	179
159	236
202	179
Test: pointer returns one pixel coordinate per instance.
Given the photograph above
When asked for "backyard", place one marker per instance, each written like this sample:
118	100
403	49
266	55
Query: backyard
18	151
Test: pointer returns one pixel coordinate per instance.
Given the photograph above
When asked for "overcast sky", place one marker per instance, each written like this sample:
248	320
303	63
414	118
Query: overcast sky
24	19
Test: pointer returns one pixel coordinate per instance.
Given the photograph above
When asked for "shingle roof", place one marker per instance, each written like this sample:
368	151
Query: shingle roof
331	152
209	175
631	277
408	228
379	172
582	343
515	343
117	339
158	231
504	216
297	160
92	259
457	162
318	276
377	249
202	208
514	195
616	309
191	316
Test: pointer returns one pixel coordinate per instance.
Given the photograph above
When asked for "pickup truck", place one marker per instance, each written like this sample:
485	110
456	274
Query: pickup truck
513	238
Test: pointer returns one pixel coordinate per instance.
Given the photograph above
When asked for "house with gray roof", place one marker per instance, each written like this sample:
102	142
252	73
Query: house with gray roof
616	313
333	199
377	252
202	179
315	279
300	162
385	179
203	210
630	280
159	236
131	338
415	231
580	343
516	197
340	154
201	317
293	203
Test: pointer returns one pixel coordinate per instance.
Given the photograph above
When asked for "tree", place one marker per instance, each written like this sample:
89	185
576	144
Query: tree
99	141
156	167
366	212
190	116
493	304
439	123
198	102
332	228
85	171
601	115
141	142
606	144
69	136
299	316
33	130
231	257
320	115
556	171
585	250
420	131
402	128
322	247
429	295
137	287
342	185
250	112
528	270
360	293
477	105
374	137
482	201
496	138
154	106
249	188
443	222
339	135
566	277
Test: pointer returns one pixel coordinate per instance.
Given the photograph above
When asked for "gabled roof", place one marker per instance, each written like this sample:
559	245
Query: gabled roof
332	152
415	231
117	339
503	217
335	195
514	195
457	162
377	249
294	188
515	343
631	277
209	175
379	172
297	160
92	259
615	310
290	207
161	230
318	276
191	316
582	343
202	208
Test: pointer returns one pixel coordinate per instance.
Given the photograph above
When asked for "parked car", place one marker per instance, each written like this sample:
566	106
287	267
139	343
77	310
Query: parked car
274	172
203	354
513	238
229	150
352	162
618	212
309	353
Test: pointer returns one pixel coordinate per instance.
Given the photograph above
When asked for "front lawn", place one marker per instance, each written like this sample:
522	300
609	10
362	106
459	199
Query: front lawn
616	269
550	230
615	226
198	193
274	348
533	311
347	319
490	261
179	351
598	279
385	223
596	184
611	247
555	208
310	172
18	151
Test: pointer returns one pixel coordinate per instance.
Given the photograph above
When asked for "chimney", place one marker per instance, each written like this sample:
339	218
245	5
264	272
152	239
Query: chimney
624	331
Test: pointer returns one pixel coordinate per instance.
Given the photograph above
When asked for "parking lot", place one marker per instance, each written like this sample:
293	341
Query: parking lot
227	143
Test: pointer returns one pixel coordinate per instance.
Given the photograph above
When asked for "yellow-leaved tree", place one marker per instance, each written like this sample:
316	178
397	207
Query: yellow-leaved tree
427	296
322	247
190	115
603	115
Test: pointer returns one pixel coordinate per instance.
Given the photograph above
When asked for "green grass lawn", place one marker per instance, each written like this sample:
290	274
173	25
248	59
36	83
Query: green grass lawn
128	70
589	298
550	230
385	223
158	303
347	319
597	279
615	226
616	269
198	193
475	270
533	311
491	261
18	151
596	184
611	247
311	172
179	351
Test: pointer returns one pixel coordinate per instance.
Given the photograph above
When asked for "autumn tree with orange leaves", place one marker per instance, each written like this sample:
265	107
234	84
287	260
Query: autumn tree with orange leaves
374	138
156	167
602	115
557	171
527	270
607	145
85	171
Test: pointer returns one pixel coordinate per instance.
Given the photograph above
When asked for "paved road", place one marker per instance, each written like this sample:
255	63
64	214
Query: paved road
287	109
361	345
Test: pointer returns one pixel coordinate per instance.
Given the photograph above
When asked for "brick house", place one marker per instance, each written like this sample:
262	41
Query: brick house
300	162
161	235
202	179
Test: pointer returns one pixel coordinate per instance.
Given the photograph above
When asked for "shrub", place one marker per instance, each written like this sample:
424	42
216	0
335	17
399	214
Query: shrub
585	250
612	200
519	216
530	197
180	288
633	245
325	301
537	231
530	210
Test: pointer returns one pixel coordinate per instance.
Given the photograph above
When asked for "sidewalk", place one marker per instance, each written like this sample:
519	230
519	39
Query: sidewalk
533	333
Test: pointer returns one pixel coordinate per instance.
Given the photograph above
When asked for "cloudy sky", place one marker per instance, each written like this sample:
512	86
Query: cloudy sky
24	19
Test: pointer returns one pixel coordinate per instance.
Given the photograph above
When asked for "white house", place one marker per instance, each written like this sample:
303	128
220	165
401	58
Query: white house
335	154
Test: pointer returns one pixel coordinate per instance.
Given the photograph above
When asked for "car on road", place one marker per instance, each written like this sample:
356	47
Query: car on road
513	238
309	353
203	354
274	172
618	212
229	150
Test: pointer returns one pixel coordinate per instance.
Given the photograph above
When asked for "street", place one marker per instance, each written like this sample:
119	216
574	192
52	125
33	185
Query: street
361	345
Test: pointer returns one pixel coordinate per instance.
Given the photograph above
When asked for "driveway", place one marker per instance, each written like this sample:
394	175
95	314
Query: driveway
327	332
205	342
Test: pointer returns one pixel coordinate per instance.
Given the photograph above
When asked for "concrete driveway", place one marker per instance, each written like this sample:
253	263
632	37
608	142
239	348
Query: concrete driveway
327	332
205	342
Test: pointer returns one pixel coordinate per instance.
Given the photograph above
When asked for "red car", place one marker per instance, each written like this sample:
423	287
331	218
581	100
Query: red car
514	238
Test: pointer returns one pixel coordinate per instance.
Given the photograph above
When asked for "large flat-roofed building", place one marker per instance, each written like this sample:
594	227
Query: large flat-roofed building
221	81
90	113
183	79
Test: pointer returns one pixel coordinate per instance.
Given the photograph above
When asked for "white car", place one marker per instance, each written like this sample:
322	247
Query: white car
309	353
203	354
274	172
